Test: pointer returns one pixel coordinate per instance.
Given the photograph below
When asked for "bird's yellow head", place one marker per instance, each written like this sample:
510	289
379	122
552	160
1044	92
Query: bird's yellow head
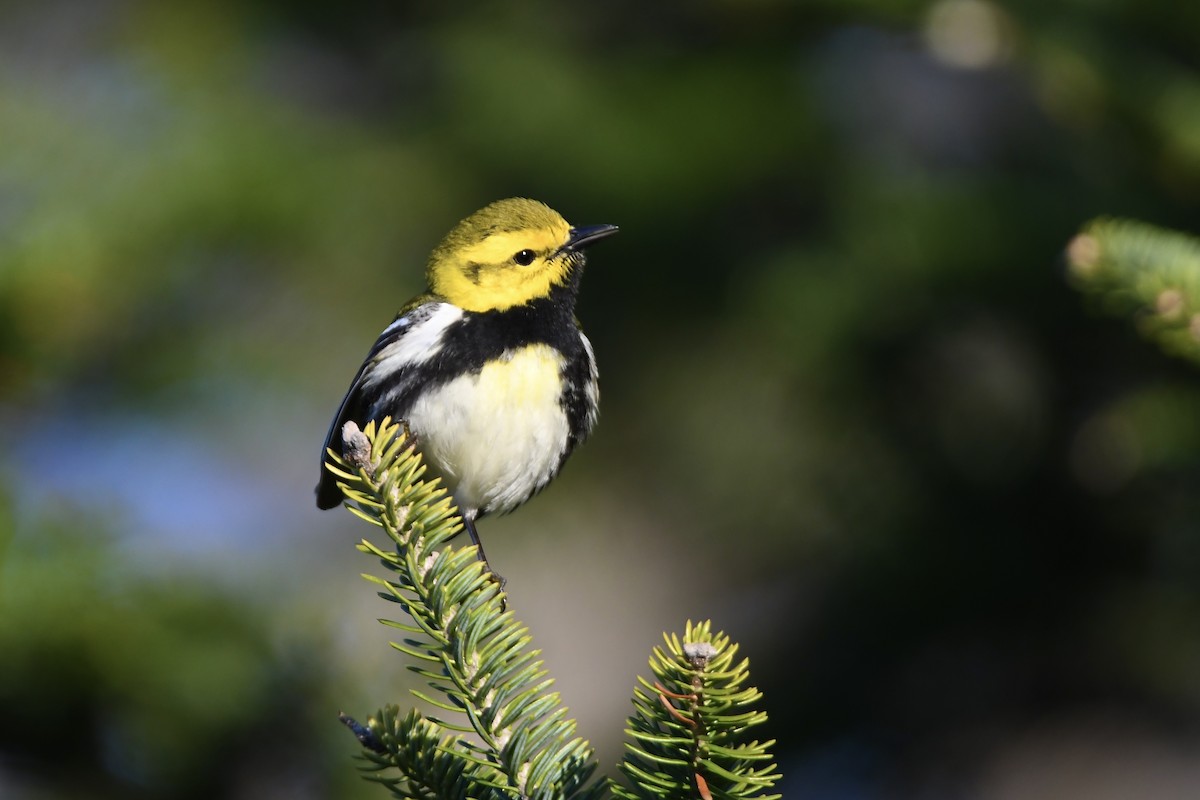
507	254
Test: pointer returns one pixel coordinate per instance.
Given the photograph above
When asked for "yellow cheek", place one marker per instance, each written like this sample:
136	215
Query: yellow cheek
500	287
513	286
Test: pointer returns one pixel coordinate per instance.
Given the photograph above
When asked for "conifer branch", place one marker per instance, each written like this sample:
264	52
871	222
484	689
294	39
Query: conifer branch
688	728
473	652
1148	273
689	724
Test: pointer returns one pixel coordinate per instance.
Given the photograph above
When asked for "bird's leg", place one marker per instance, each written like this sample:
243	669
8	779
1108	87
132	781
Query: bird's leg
411	442
468	519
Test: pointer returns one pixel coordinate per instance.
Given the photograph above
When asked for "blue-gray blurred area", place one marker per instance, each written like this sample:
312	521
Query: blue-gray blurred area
851	409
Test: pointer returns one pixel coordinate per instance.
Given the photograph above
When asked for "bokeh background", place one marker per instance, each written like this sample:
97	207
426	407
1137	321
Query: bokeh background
853	411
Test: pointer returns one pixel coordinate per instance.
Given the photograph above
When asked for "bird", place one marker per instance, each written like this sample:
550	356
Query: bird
489	369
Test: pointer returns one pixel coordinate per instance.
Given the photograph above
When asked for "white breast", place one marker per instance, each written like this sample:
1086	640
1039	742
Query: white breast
498	436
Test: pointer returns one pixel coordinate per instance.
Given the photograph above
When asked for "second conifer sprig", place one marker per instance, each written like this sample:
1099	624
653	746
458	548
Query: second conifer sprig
688	730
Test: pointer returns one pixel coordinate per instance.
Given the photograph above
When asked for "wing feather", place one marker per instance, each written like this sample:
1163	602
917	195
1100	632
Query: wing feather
410	327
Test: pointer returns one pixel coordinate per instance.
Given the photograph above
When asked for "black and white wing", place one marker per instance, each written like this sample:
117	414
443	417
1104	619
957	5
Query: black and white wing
393	362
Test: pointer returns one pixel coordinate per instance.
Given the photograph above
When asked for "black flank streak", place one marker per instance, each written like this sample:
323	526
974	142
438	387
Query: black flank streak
578	372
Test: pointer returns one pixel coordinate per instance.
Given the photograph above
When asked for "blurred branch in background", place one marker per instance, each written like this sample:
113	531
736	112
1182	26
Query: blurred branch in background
1150	274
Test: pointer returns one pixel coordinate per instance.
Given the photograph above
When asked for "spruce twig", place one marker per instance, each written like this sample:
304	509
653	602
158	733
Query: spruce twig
473	652
688	728
689	724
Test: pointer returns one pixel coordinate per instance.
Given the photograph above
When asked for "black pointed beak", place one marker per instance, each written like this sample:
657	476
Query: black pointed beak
583	236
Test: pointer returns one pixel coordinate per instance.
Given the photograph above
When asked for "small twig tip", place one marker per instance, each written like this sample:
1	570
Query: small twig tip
356	448
366	737
699	653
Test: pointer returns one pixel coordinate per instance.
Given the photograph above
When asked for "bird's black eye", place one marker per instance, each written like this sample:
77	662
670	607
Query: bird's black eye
525	257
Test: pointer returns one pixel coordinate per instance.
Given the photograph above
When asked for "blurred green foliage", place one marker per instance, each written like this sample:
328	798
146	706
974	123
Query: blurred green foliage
115	685
1138	270
951	503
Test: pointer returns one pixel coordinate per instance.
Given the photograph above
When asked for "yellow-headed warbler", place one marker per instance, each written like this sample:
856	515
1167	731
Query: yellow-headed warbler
489	369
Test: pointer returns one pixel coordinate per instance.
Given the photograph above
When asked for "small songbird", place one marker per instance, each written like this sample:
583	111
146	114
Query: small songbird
490	369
